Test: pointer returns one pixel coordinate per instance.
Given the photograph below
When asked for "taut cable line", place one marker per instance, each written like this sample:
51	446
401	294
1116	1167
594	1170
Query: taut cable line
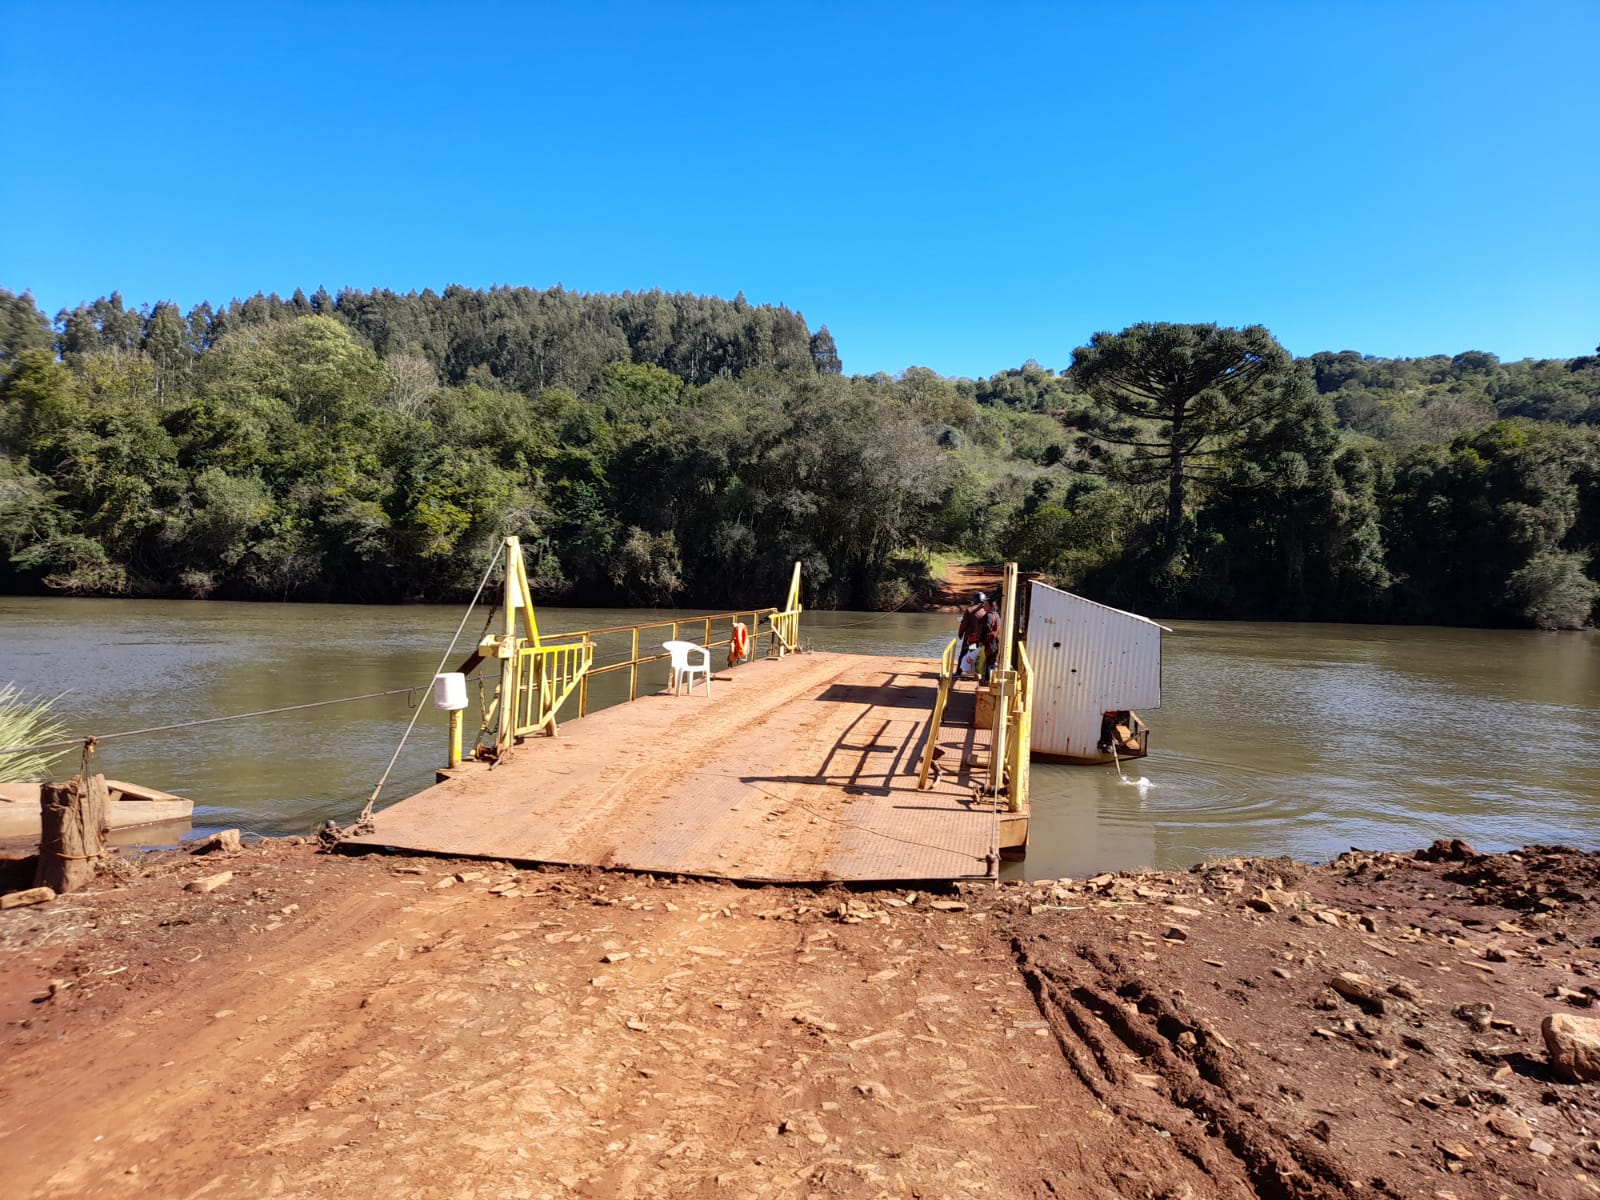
365	819
264	712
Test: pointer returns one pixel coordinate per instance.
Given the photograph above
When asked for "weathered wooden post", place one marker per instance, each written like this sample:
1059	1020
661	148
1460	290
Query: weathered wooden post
72	829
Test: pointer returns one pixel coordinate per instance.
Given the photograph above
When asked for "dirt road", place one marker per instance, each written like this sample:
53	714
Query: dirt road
378	1026
962	580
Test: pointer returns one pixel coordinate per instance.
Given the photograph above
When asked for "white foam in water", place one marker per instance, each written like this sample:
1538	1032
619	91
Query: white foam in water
1141	783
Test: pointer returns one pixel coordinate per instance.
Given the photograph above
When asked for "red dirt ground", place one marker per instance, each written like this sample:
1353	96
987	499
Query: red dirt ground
331	1025
961	580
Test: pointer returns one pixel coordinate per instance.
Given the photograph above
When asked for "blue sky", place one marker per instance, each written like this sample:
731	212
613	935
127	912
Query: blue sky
961	187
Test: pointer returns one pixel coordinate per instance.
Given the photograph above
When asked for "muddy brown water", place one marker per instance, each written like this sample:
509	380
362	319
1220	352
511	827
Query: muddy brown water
1303	740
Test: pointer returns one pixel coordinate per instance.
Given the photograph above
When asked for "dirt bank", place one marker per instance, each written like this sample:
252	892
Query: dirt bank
336	1026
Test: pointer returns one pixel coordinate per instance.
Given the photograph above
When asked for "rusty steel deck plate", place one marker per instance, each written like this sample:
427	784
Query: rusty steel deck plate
796	770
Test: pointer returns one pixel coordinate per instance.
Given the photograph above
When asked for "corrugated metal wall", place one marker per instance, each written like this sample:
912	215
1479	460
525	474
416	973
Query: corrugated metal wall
1087	660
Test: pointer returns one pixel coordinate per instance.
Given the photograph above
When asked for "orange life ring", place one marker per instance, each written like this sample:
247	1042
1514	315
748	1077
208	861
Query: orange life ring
741	641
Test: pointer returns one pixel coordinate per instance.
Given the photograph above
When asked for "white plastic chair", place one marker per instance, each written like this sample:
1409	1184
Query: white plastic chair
684	669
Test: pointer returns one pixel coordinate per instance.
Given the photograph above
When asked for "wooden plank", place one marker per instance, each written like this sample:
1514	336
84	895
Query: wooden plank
800	769
19	809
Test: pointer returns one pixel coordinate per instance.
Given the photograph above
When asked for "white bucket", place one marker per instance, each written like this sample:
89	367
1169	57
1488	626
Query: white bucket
450	691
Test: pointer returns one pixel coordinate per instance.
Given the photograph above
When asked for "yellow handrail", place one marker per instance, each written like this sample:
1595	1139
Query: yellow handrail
1019	718
546	676
947	675
540	674
786	624
785	632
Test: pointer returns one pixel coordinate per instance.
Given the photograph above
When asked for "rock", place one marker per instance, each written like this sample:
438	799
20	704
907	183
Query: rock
1574	1046
1326	1000
1510	1125
227	841
22	899
1404	990
1476	1015
1453	850
947	906
210	883
1358	989
1540	1146
1176	933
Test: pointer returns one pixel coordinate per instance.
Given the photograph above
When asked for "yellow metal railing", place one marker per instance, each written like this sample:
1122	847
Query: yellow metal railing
785	625
947	675
1019	732
716	631
785	637
540	675
545	677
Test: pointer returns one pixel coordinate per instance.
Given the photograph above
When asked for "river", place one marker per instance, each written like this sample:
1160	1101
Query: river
1303	740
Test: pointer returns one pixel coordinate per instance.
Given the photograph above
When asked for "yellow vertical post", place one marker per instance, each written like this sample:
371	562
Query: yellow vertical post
456	722
517	596
633	668
510	683
1003	682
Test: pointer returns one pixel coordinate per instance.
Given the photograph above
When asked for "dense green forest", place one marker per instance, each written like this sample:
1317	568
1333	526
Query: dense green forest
660	449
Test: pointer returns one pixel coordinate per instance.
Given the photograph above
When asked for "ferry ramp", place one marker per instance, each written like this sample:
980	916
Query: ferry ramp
798	769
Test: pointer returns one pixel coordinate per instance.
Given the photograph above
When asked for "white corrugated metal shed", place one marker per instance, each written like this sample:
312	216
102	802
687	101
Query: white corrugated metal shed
1087	660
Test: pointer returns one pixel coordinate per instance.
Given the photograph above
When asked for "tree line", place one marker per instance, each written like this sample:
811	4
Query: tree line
659	448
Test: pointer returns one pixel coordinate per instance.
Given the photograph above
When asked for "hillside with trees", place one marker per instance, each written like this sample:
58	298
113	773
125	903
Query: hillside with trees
660	448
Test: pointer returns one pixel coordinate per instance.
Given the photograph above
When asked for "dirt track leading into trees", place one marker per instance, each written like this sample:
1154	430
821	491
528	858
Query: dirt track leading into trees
961	580
379	1026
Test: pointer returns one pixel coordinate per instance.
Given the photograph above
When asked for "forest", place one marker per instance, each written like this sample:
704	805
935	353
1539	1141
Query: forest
669	449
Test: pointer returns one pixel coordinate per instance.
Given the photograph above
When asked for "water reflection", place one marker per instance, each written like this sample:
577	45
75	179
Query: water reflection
1273	739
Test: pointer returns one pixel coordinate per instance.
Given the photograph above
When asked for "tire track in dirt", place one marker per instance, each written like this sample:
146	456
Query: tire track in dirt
1152	1064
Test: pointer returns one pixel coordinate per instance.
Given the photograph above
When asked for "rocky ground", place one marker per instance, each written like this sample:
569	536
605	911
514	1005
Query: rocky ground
329	1025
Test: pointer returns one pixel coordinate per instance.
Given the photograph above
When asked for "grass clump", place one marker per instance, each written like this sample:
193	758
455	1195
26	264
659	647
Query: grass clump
23	723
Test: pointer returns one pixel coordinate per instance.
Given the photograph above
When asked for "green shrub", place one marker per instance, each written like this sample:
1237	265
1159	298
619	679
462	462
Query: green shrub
1553	592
